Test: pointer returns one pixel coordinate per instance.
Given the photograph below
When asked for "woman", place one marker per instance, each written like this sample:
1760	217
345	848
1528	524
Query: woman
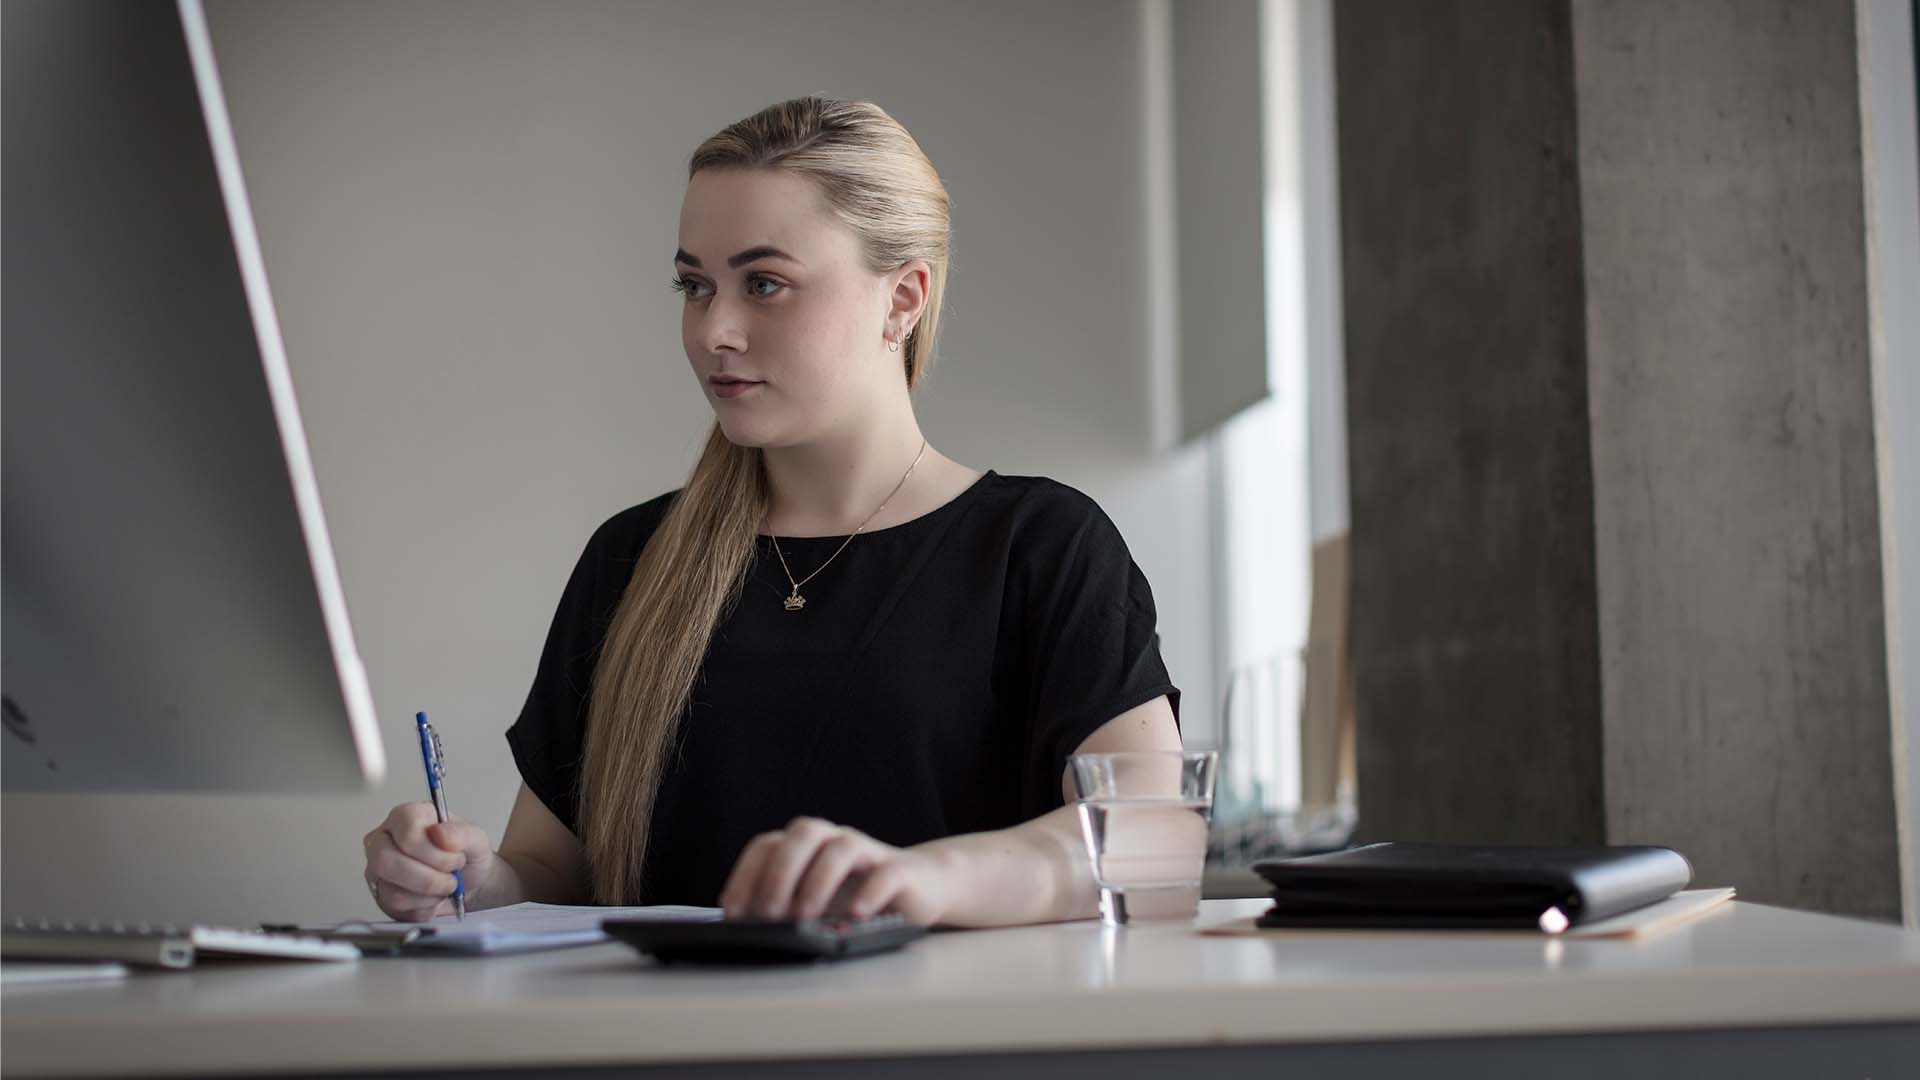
837	672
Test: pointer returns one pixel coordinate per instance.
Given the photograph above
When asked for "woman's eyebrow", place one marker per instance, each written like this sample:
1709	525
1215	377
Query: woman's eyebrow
737	261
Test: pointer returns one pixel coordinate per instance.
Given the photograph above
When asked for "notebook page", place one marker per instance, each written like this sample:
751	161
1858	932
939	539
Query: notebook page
532	918
525	926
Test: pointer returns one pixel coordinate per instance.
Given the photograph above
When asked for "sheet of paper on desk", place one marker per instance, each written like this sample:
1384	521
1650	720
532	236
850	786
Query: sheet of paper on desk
529	926
27	972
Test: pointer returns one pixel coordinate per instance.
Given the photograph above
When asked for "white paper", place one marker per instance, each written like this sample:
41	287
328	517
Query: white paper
522	927
535	918
1655	917
26	972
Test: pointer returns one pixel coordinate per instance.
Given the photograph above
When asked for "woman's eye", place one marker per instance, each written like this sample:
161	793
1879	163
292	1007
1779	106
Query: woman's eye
686	286
753	287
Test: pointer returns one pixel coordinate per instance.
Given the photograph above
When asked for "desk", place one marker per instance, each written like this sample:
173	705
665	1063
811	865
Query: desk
1840	997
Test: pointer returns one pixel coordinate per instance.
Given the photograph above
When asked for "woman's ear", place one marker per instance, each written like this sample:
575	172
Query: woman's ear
909	297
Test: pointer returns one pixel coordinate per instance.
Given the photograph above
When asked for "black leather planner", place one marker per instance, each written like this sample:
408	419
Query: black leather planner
1438	886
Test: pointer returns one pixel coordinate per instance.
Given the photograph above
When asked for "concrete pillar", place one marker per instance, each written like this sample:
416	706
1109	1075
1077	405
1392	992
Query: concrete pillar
1616	538
1737	512
1475	637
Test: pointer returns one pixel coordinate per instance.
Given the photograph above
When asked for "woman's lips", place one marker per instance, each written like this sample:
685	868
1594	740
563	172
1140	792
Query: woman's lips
732	389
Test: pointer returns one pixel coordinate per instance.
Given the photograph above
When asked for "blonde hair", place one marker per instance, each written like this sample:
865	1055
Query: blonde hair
689	576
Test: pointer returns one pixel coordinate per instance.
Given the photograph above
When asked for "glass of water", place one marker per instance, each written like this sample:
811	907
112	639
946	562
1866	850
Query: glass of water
1144	816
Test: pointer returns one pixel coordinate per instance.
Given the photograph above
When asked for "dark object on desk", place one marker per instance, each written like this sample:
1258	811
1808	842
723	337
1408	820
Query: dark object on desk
782	942
369	939
1444	886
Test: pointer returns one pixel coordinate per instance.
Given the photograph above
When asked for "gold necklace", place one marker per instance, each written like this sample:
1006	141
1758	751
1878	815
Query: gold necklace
794	602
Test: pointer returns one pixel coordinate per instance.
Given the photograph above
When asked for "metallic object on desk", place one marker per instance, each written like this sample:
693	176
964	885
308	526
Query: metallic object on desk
161	945
1288	778
1259	759
371	940
1262	811
1233	849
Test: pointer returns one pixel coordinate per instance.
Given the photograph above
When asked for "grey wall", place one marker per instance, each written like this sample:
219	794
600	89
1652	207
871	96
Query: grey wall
1474	639
1736	500
467	212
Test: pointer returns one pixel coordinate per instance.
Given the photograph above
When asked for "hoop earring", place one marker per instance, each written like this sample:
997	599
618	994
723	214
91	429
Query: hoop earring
892	345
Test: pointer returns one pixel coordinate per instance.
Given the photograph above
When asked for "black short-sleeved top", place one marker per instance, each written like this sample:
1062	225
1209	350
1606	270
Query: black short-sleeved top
934	684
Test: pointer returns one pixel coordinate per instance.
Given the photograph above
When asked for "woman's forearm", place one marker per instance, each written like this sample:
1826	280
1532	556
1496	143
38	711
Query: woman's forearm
1034	872
512	879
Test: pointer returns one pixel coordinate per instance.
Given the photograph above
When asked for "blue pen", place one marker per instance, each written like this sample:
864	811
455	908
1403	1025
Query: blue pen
436	764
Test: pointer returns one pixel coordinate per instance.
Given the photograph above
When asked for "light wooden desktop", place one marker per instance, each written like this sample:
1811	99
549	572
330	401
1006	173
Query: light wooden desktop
1745	976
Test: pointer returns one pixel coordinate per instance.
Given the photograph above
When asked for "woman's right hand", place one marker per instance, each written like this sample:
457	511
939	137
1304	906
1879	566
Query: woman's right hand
411	858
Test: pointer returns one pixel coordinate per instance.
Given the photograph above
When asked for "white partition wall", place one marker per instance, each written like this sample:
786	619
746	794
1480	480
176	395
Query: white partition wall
1887	104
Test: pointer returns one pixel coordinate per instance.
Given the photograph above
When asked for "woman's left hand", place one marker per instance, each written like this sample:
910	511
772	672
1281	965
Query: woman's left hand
814	867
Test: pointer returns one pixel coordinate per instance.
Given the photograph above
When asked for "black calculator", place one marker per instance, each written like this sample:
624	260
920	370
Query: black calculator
789	941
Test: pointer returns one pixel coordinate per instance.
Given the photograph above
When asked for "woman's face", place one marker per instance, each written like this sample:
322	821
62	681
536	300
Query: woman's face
777	292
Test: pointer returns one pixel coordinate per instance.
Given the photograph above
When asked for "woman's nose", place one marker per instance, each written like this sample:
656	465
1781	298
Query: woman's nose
724	329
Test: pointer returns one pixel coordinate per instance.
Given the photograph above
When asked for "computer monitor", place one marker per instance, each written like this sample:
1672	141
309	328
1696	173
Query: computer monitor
173	619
